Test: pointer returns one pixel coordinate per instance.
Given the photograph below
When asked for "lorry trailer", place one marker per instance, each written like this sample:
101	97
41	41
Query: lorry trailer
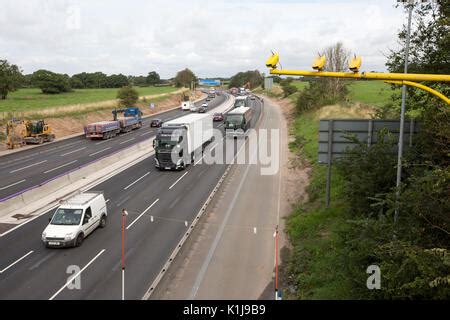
103	129
179	141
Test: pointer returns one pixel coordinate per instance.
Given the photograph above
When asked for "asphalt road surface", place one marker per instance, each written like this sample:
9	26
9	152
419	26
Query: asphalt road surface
31	167
160	205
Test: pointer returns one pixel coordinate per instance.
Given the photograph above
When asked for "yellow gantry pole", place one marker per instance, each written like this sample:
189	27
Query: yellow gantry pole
423	87
366	75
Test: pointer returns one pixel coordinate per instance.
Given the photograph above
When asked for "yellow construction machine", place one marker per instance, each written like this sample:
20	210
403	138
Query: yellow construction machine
19	133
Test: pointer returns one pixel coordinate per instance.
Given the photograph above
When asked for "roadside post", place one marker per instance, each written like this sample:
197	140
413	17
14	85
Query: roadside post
276	263
124	214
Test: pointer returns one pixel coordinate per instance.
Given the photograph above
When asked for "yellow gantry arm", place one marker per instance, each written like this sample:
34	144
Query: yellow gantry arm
366	75
355	63
423	87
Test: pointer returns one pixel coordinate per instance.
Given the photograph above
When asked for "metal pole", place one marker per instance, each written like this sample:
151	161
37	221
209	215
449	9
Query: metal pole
402	115
124	214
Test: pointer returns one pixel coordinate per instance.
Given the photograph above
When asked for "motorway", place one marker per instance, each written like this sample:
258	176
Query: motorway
31	167
160	205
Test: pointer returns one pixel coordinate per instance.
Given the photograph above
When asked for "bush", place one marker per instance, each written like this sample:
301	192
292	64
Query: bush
288	88
127	96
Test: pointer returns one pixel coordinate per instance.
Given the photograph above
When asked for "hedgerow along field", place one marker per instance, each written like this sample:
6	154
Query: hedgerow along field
33	99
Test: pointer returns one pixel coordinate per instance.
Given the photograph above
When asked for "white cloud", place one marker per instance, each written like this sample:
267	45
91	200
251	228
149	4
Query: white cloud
213	38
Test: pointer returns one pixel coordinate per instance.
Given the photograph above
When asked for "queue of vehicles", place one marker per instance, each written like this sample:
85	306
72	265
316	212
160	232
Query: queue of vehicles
177	144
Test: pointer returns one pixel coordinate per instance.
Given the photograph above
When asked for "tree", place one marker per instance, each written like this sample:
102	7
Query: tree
153	78
116	81
242	78
337	60
127	96
10	78
50	82
184	78
76	83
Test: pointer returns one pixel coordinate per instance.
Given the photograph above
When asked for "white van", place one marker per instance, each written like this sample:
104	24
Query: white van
75	219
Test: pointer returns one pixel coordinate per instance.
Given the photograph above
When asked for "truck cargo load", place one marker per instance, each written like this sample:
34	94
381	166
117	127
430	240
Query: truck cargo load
102	129
178	141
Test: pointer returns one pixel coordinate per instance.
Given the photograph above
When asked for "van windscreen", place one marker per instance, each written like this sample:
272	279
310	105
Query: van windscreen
67	217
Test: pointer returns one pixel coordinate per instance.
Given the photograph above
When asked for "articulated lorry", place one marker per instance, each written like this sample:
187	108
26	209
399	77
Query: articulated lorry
132	119
179	141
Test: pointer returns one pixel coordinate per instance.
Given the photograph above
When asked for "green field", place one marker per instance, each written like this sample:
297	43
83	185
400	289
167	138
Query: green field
376	93
34	99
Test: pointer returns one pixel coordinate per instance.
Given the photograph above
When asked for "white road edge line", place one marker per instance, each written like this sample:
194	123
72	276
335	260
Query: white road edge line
76	275
178	180
64	165
79	149
12	184
136	181
29	166
148	208
93	154
1	271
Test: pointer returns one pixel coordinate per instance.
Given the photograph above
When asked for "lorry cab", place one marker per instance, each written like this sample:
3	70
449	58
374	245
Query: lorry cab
75	219
180	140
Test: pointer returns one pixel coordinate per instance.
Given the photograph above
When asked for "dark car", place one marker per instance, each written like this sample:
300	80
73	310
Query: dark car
218	116
201	109
156	123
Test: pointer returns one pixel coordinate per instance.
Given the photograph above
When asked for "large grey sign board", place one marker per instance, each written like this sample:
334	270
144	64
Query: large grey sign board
332	133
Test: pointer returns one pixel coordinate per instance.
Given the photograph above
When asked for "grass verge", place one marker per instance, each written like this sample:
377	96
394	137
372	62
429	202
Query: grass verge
314	266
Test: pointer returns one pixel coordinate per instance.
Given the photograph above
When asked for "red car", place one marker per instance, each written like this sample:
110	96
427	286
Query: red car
218	116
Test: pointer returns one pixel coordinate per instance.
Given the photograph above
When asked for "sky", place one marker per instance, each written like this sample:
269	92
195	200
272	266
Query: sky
213	38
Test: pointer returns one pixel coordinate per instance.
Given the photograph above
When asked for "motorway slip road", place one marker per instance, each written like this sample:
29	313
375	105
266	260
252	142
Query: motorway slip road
31	167
161	204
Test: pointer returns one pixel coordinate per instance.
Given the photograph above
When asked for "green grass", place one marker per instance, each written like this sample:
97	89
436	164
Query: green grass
375	93
315	262
34	99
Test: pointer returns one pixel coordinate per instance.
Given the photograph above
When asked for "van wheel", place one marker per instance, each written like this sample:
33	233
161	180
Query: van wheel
102	222
79	240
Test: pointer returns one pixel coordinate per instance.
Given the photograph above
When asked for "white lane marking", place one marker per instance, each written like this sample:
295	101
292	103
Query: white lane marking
254	230
76	275
79	149
148	208
1	271
101	142
93	154
178	180
211	149
107	201
61	166
220	125
29	166
13	184
145	133
126	141
136	181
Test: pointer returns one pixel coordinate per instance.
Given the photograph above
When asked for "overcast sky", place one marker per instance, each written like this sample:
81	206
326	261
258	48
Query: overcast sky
212	38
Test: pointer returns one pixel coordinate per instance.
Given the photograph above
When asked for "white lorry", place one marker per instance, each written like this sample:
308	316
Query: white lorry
75	219
179	141
186	105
